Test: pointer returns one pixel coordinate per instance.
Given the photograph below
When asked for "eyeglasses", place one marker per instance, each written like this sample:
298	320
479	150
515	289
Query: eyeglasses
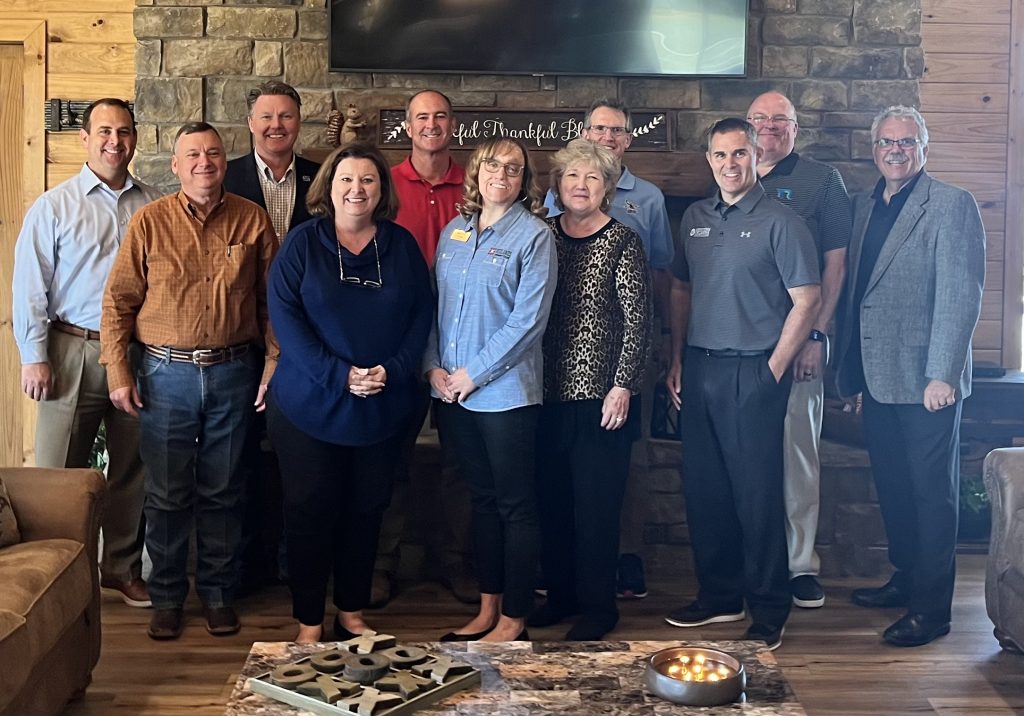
494	166
758	119
603	128
904	143
355	281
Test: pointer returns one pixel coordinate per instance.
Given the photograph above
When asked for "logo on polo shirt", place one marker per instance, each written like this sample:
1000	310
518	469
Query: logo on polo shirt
632	207
784	194
701	233
744	234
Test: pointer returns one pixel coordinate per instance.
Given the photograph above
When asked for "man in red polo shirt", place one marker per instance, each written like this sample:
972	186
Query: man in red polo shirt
428	182
429	187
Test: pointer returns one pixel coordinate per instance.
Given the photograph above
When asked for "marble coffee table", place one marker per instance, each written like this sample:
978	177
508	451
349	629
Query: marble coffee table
549	677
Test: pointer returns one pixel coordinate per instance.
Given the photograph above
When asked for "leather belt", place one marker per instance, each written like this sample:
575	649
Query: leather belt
72	329
201	357
726	353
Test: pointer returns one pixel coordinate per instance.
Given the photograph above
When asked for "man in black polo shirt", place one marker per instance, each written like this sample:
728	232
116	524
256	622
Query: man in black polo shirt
745	291
816	192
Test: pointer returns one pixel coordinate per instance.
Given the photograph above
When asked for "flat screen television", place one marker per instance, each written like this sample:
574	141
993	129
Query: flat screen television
651	38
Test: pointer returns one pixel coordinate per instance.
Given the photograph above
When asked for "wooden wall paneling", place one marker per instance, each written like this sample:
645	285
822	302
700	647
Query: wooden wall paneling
967	126
64	148
956	156
91	28
965	67
69	58
23	152
992	305
965	38
985	187
956	96
976	12
83	86
989	335
994	245
52	6
56	173
993	271
1013	254
989	355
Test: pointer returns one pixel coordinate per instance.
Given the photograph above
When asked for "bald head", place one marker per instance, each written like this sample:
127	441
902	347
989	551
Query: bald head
774	116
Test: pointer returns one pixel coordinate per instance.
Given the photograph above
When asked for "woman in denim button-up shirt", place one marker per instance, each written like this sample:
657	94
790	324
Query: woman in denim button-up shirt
496	271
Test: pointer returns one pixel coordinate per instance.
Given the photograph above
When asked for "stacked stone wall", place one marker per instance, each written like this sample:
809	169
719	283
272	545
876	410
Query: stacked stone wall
839	60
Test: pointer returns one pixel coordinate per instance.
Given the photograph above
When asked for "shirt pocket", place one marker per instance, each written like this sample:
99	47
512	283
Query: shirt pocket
238	269
449	264
492	270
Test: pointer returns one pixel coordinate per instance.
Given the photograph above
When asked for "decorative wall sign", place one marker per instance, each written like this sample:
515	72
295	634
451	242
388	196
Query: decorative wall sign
541	129
62	115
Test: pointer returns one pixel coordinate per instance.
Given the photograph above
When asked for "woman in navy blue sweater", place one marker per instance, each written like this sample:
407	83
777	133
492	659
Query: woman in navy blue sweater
351	305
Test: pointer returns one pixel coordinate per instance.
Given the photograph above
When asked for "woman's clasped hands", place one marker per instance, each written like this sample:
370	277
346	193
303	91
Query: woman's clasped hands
364	382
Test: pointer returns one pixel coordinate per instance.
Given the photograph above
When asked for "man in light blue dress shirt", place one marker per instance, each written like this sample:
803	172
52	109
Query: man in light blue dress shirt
63	255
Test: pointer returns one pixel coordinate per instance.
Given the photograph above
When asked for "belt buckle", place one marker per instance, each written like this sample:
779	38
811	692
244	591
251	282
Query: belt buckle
199	357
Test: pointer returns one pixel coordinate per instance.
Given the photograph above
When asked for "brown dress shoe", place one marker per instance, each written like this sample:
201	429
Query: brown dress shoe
166	624
221	621
133	593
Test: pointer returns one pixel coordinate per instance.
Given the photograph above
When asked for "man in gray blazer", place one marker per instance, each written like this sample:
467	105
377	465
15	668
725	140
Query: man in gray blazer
913	296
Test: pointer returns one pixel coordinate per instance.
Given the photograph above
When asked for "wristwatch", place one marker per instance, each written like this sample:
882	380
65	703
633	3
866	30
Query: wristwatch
817	335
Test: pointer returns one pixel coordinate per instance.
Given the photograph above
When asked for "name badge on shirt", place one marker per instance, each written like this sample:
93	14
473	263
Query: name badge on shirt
701	233
460	235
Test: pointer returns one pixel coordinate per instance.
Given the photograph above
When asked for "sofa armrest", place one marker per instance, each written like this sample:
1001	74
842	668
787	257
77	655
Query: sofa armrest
56	503
1004	480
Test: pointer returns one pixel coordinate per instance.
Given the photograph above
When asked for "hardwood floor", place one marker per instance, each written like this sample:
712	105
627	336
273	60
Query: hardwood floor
833	657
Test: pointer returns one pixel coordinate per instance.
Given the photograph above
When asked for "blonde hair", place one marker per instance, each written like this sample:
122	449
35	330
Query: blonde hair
530	195
582	151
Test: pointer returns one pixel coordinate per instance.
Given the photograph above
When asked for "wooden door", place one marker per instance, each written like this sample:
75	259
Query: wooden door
22	157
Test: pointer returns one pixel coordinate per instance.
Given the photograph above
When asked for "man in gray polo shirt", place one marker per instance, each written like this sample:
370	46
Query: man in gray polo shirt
816	192
745	291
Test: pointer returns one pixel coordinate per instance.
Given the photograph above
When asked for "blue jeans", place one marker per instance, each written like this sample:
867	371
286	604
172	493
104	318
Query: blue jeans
192	428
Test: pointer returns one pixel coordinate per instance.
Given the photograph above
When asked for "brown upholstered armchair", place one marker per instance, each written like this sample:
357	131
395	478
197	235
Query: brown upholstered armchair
1004	577
49	589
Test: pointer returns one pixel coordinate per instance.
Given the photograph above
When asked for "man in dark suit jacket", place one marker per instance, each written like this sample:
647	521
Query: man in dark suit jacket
913	297
274	177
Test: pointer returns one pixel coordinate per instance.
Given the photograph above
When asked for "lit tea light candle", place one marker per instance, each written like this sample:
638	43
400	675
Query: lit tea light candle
695	676
697	669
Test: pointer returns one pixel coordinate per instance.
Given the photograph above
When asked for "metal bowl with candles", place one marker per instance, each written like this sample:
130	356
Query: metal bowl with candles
695	676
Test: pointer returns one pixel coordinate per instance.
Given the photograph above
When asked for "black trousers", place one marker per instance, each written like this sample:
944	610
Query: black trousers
334	498
496	455
915	461
732	431
581	479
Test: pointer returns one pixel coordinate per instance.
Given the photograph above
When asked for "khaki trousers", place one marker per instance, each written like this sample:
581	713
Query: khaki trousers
801	480
66	430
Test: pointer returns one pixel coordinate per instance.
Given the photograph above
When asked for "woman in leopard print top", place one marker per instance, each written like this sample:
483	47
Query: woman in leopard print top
595	349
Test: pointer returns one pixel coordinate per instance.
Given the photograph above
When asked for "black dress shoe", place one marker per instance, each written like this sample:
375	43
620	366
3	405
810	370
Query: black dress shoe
548	614
592	627
915	630
452	636
893	593
341	633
